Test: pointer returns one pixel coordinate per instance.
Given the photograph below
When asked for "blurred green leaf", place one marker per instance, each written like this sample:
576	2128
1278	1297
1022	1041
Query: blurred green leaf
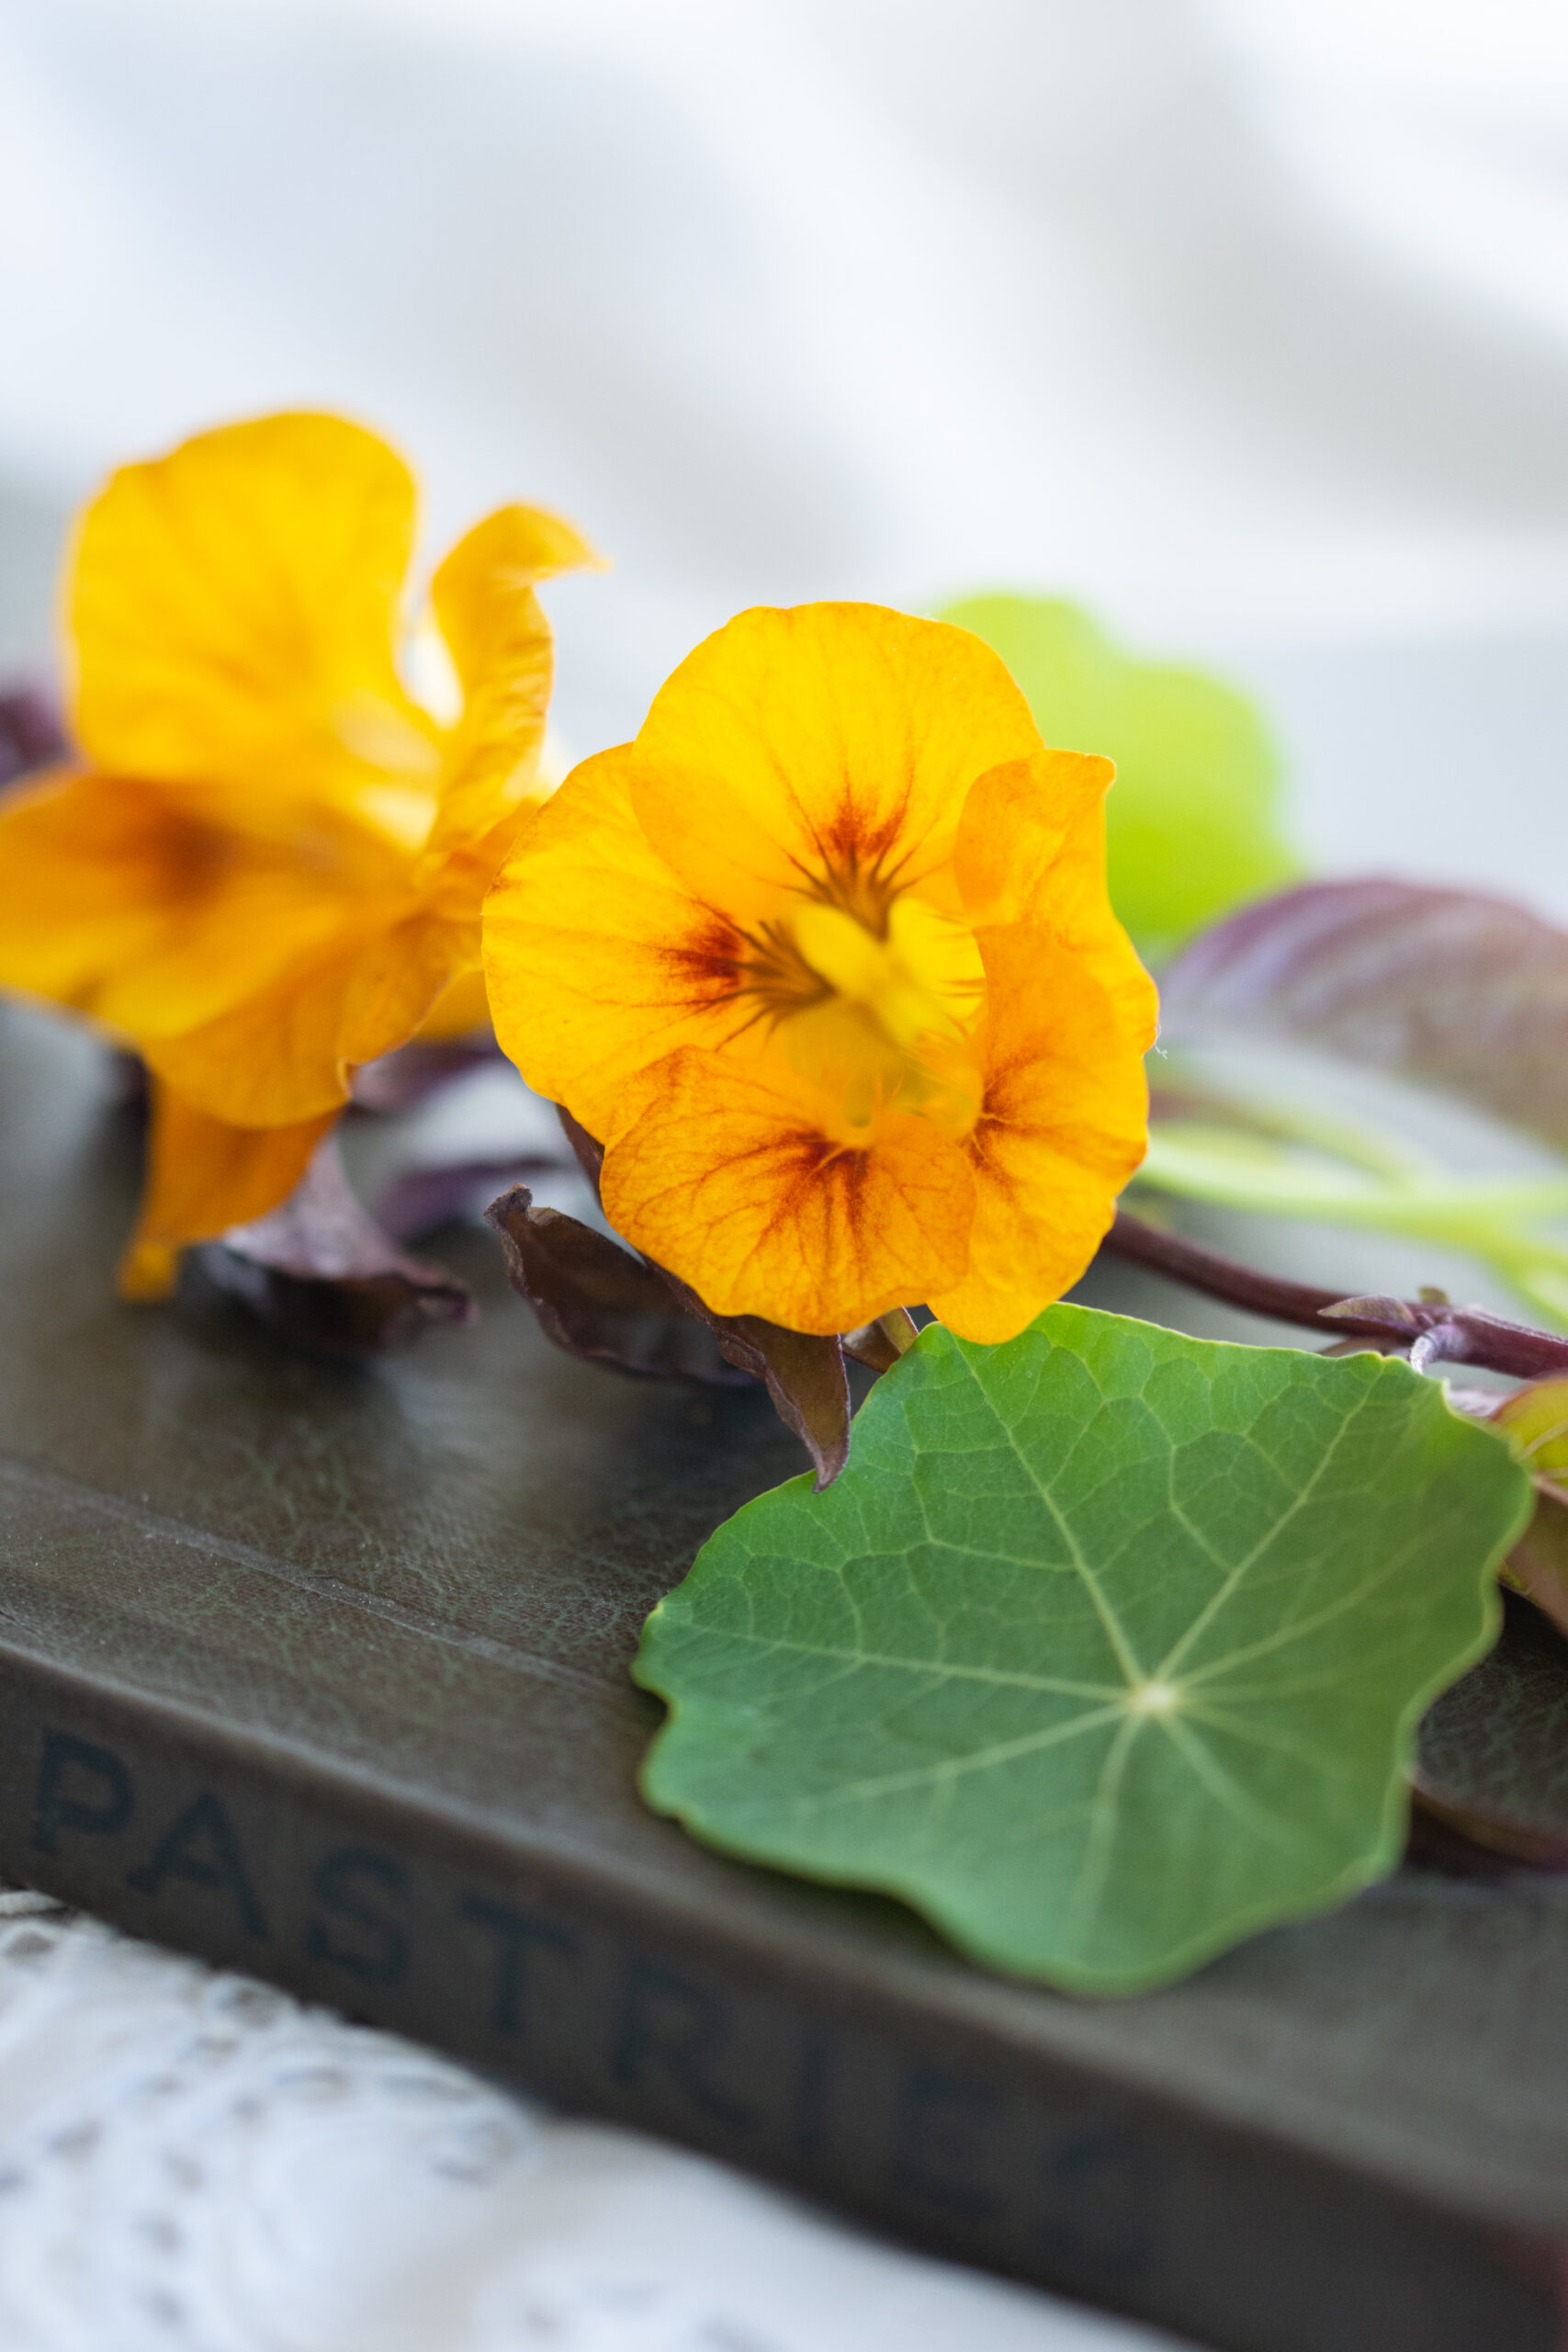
1106	1648
1192	822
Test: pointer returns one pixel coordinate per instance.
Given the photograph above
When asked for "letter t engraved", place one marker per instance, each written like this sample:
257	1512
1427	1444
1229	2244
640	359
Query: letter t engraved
513	1931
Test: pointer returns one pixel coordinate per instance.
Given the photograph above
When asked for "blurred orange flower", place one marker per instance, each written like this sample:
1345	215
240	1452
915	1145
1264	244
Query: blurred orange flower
825	960
269	866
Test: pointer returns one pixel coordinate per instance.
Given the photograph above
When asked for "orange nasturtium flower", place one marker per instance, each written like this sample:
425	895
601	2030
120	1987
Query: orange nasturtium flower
825	960
268	866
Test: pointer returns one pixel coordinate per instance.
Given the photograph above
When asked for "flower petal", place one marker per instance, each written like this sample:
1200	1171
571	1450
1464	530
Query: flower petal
115	901
1063	1127
1023	823
287	1053
86	881
234	606
1031	849
731	1180
460	1009
599	961
202	1176
501	648
840	736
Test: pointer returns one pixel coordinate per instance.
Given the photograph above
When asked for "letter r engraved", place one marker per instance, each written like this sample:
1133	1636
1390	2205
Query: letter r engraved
513	1932
668	2026
200	1845
103	1800
379	1954
938	2141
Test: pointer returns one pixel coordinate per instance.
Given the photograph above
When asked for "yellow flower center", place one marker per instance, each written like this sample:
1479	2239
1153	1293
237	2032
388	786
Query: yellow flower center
922	976
872	1016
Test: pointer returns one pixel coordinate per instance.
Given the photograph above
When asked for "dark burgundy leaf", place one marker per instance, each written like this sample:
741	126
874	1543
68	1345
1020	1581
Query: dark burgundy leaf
803	1370
589	1149
321	1271
597	1300
128	1089
31	733
1448	988
420	1199
398	1080
879	1345
1491	1761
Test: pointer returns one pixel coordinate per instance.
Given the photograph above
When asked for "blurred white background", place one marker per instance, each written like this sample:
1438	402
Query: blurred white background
1245	322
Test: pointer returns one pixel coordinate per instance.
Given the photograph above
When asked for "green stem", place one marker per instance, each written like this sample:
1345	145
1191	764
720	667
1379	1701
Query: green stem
1488	1218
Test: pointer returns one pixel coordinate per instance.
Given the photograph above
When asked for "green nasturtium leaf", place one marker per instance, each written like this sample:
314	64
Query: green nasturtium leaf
1107	1649
1192	823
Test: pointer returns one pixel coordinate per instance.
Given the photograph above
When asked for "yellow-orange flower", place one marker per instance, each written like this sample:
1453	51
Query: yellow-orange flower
268	867
825	958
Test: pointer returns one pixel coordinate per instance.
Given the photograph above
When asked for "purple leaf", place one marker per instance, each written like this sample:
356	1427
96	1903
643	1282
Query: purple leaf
31	733
879	1345
1446	987
420	1199
400	1080
803	1370
321	1273
596	1300
589	1149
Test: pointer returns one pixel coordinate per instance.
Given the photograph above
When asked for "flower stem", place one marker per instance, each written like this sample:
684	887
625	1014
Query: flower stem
1440	1333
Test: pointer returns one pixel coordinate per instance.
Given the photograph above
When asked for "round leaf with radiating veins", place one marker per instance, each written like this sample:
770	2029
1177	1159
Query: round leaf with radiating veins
1107	1649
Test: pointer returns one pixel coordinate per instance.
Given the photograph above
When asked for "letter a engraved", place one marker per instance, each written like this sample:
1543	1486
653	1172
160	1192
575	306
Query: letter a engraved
80	1786
202	1847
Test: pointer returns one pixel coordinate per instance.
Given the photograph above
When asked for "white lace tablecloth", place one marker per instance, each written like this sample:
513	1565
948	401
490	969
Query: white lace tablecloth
191	2162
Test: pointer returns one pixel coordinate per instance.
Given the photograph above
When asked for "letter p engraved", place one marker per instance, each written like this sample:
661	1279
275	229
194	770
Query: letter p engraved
672	2028
80	1786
